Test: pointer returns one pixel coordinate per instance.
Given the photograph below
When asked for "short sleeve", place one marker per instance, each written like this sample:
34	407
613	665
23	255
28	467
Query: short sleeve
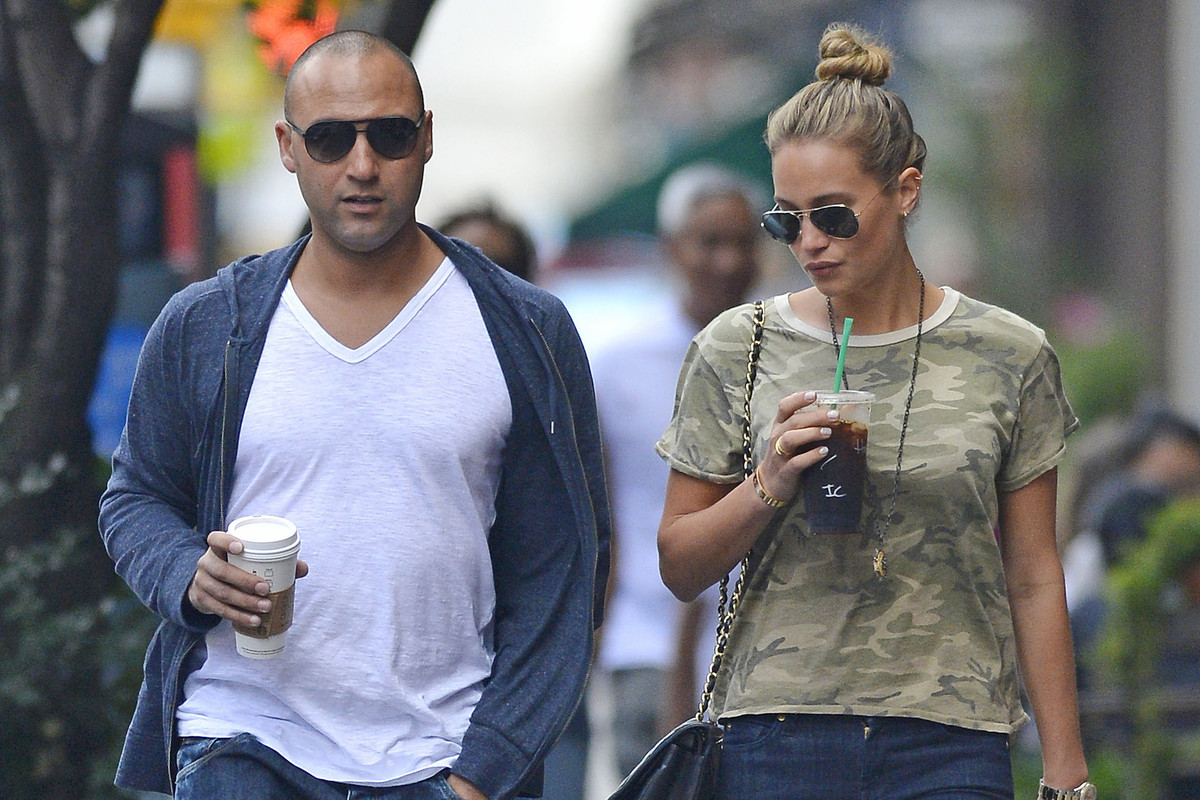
1044	420
704	437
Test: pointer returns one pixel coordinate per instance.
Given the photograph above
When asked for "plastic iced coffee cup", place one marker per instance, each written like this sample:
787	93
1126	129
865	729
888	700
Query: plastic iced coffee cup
269	549
833	488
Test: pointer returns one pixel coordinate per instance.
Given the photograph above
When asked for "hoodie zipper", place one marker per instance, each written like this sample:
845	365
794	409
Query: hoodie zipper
574	438
222	455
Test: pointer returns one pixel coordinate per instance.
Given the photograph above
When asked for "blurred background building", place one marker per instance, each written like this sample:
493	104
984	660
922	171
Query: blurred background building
1061	135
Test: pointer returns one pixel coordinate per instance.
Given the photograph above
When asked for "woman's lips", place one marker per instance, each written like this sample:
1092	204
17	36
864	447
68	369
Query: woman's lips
820	267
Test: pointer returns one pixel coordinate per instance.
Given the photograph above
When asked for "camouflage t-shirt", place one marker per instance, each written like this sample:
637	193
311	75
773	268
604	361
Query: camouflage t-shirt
817	631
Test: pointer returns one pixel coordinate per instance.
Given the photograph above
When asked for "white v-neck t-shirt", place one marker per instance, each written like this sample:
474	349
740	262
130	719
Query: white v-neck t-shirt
387	457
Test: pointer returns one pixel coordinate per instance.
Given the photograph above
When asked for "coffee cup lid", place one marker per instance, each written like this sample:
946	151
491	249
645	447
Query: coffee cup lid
262	534
845	397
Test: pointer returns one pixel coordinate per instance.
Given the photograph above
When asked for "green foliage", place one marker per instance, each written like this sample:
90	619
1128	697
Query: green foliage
1026	769
1107	769
1132	639
68	676
1105	377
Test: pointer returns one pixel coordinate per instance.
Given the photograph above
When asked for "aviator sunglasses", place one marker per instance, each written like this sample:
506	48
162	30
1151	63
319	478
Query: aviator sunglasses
837	220
329	141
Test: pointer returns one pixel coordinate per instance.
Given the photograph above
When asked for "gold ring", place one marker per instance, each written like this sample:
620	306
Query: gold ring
779	449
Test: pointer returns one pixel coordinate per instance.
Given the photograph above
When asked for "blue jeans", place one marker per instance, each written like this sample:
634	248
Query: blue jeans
242	768
819	756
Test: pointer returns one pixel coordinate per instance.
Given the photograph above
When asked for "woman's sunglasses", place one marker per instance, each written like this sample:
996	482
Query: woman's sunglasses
329	141
838	220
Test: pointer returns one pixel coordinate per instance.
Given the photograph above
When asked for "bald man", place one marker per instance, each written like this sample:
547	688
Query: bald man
427	421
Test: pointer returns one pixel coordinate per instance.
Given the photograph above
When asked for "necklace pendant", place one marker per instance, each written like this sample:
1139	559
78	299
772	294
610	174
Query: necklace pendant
880	562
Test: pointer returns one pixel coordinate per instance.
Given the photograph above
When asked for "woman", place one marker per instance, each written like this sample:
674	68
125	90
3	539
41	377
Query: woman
881	664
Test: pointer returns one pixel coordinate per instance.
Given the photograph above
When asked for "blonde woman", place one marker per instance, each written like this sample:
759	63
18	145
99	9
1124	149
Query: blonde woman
881	664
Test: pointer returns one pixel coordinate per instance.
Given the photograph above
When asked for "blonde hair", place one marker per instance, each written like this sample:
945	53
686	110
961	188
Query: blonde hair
848	105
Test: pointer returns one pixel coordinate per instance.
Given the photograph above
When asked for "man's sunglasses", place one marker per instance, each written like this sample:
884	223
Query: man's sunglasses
329	141
838	220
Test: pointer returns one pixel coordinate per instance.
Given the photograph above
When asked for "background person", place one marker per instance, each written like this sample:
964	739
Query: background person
708	230
501	238
391	393
507	243
882	663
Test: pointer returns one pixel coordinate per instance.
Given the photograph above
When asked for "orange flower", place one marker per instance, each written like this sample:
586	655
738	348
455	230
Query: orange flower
287	27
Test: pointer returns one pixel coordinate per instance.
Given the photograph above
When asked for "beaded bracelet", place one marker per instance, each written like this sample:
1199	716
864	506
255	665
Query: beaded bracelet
763	494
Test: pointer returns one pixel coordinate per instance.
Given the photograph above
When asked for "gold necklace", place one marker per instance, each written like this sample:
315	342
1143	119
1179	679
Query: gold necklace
879	562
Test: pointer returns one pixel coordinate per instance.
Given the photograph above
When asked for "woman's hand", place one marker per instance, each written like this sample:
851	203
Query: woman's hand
795	444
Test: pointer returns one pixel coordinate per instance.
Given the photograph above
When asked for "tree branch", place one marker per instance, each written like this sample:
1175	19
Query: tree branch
404	21
23	225
111	86
51	67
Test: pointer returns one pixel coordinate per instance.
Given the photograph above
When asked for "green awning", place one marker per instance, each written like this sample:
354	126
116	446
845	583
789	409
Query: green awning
632	209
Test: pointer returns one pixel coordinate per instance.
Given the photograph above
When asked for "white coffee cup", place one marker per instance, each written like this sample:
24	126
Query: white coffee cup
269	549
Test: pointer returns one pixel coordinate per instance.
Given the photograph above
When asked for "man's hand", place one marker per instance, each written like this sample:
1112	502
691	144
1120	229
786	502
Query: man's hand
231	593
464	788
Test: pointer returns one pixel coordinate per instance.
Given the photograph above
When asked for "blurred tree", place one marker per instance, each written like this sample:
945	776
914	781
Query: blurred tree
60	118
403	21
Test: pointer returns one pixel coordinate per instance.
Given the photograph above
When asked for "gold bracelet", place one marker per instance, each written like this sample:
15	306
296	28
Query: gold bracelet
763	494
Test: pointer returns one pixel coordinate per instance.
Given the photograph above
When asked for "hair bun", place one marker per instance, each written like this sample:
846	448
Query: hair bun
848	52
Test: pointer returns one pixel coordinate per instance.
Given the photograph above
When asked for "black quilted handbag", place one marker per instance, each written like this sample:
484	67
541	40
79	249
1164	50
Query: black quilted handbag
682	766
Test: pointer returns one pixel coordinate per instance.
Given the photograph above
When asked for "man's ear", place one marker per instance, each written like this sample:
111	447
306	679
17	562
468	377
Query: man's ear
283	135
427	130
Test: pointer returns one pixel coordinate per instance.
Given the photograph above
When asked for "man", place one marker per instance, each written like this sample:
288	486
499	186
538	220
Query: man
427	421
708	228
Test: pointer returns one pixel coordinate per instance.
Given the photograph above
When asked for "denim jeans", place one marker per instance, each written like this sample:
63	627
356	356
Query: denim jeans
242	768
819	756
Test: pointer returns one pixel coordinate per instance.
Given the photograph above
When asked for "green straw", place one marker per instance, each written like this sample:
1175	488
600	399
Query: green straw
837	378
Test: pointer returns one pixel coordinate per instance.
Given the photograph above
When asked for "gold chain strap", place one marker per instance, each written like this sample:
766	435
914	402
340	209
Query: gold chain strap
726	606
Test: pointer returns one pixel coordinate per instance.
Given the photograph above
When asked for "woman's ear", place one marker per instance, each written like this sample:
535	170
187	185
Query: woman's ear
909	185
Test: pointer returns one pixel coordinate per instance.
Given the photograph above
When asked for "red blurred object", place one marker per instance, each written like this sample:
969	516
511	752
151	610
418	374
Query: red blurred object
181	209
287	27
